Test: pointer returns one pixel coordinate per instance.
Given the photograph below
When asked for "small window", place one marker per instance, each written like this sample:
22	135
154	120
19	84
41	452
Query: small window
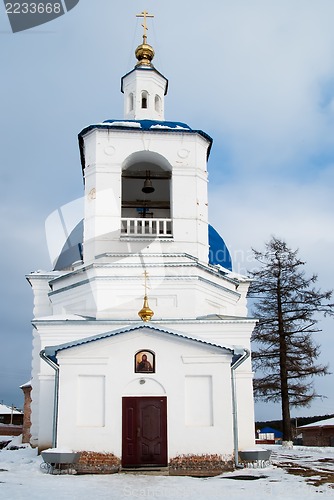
131	101
157	103
145	362
144	99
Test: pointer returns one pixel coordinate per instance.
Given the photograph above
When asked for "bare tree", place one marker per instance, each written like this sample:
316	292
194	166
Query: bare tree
287	305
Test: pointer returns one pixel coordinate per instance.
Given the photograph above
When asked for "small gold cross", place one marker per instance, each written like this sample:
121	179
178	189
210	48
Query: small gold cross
145	15
145	282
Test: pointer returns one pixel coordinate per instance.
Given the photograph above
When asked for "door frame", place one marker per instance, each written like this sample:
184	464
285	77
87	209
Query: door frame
163	427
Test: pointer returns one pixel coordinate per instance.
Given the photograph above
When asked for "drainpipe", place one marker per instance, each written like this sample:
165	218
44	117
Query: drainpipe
55	399
234	366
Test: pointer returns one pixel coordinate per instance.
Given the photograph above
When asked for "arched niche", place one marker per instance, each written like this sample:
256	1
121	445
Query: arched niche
142	386
130	102
157	103
149	169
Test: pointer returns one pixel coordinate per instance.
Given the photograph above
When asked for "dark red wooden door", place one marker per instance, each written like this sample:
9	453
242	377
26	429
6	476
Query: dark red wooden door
144	441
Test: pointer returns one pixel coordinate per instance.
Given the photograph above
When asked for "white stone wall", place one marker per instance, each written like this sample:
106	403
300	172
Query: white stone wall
144	80
112	288
60	331
107	152
181	367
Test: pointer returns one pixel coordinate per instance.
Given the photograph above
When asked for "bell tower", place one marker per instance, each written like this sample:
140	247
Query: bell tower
145	177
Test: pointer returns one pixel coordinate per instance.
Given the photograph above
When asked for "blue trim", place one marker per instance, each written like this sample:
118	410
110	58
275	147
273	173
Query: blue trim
147	124
144	125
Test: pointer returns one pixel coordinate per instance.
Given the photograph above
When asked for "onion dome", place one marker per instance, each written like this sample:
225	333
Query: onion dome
146	313
144	53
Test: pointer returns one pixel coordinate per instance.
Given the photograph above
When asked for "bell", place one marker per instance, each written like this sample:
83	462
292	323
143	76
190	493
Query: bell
148	187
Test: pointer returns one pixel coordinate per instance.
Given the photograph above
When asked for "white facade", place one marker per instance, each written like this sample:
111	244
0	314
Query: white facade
144	90
89	308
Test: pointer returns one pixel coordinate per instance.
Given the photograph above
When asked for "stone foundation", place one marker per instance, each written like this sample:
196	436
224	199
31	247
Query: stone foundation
91	462
199	465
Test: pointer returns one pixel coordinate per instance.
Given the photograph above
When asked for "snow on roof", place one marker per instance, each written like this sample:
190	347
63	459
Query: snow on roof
150	125
27	384
239	277
8	410
122	124
147	124
61	317
178	127
320	423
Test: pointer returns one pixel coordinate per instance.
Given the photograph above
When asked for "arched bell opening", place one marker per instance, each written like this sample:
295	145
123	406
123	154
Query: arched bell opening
144	99
146	195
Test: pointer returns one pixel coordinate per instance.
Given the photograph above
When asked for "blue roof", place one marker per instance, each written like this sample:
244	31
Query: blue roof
72	249
270	430
152	124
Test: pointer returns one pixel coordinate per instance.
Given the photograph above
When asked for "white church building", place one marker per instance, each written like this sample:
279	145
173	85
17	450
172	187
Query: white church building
141	343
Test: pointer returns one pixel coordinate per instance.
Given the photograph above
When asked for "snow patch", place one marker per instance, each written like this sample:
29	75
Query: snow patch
121	124
58	450
21	477
178	127
8	410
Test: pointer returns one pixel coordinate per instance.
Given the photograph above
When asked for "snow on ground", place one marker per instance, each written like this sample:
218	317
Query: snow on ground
21	477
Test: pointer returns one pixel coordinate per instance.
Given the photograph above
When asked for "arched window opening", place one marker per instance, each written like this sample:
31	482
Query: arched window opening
146	199
130	102
144	100
157	103
140	202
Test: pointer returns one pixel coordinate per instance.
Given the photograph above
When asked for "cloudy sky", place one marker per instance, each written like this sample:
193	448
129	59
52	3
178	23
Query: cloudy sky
256	75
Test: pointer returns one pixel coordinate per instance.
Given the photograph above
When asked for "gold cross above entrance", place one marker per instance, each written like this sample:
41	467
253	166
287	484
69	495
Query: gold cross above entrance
145	15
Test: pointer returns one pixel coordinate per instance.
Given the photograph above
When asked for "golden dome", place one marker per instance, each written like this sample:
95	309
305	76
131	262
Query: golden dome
146	313
144	53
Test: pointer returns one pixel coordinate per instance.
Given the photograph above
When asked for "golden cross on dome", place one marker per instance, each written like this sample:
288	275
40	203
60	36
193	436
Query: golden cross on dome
145	15
146	312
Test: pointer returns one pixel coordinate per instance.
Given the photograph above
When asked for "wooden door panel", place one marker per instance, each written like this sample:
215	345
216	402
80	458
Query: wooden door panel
129	432
144	439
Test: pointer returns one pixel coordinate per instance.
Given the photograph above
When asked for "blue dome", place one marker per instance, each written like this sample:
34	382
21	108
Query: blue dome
218	251
72	250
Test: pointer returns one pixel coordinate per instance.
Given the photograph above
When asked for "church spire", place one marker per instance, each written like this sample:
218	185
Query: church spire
145	313
144	52
144	87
